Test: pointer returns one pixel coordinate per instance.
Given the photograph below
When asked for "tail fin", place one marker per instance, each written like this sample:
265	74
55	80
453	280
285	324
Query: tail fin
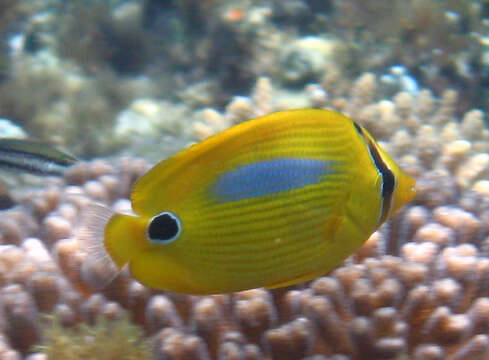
98	269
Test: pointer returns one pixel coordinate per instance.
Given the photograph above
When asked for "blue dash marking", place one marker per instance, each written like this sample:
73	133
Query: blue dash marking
269	177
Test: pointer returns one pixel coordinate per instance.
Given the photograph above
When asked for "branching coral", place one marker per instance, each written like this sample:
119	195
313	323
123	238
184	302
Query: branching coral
418	288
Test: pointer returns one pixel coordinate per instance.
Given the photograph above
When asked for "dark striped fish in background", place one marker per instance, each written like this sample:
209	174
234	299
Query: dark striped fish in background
34	157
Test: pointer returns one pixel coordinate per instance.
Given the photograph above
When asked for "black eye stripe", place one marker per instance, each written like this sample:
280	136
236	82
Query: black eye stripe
388	181
358	128
388	178
163	228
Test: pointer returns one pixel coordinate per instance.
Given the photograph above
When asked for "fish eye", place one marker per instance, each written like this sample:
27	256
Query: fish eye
163	228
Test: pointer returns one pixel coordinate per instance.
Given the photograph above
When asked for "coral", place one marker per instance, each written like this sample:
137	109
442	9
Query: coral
74	71
50	89
69	90
21	317
149	122
418	288
12	12
100	76
72	67
385	32
211	42
7	9
105	340
306	59
264	98
52	99
378	304
113	35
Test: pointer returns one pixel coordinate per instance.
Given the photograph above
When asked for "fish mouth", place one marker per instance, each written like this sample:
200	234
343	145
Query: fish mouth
406	191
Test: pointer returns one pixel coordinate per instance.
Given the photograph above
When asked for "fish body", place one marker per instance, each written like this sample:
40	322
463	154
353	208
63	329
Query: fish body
271	202
33	156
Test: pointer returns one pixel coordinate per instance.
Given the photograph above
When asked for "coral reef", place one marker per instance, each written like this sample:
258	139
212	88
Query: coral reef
151	121
418	288
128	76
67	68
447	38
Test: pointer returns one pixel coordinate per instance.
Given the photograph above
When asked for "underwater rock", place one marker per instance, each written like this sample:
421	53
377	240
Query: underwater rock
306	58
10	130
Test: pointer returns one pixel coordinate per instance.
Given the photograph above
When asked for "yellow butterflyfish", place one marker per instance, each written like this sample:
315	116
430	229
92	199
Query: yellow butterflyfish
270	202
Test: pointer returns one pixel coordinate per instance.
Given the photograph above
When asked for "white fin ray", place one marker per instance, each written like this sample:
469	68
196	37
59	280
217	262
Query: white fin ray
98	268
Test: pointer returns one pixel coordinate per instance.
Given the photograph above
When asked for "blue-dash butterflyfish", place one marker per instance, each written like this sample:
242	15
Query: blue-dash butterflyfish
270	202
